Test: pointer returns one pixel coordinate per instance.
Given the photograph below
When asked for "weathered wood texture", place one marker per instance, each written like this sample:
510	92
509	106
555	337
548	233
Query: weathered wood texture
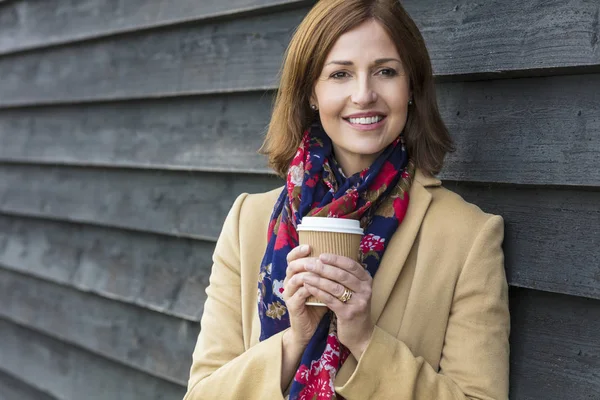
547	228
149	341
163	273
555	346
245	53
222	56
545	129
27	25
12	388
70	373
181	204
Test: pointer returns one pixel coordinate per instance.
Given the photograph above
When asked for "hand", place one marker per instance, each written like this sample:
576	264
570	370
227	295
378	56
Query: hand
331	274
303	319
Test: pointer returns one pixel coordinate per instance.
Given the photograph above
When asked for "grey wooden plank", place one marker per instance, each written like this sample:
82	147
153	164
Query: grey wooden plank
13	388
174	203
495	38
216	57
549	229
552	235
33	24
545	129
152	342
555	346
70	373
163	273
220	132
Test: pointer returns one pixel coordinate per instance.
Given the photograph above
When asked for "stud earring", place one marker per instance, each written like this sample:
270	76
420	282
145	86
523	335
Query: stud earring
314	107
410	102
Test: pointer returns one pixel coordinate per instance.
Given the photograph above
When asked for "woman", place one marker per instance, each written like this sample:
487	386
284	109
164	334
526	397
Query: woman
357	134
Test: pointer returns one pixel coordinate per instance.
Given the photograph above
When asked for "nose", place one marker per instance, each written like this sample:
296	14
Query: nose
363	93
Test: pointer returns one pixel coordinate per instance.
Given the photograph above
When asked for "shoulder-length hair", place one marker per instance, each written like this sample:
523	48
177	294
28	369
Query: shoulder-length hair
425	134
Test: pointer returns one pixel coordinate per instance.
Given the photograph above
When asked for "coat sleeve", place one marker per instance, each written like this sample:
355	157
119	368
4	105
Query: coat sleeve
221	367
475	355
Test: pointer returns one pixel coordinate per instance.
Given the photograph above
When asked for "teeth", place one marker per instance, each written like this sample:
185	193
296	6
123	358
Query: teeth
366	121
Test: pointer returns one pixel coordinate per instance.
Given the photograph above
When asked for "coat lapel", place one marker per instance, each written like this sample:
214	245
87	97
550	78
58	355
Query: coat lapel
400	244
394	258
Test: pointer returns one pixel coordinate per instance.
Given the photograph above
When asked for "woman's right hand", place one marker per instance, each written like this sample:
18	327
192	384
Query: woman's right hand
303	319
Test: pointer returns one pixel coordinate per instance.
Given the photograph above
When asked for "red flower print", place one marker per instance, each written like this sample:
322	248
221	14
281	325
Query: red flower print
400	207
384	177
371	242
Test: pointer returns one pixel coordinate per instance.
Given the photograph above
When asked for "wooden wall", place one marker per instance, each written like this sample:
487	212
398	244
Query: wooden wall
128	128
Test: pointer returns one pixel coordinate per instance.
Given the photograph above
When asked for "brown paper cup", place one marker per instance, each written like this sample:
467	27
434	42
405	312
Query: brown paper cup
340	243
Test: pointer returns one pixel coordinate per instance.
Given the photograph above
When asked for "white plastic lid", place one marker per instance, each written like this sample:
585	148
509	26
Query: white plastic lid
323	224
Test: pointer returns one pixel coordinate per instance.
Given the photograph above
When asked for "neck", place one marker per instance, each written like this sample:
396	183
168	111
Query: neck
351	163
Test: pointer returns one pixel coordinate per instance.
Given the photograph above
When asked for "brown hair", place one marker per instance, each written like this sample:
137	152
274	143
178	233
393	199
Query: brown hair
426	136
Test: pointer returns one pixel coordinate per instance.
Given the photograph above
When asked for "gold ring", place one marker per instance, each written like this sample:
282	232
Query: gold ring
347	295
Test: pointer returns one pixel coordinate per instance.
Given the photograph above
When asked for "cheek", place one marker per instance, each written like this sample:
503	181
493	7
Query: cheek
331	100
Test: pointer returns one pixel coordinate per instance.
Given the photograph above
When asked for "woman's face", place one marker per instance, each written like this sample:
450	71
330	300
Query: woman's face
362	94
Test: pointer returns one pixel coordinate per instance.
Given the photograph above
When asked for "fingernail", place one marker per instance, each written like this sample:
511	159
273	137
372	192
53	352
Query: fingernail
325	258
304	248
309	265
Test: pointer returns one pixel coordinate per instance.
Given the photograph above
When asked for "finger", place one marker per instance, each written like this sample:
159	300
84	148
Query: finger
335	289
297	252
332	302
336	274
347	264
299	265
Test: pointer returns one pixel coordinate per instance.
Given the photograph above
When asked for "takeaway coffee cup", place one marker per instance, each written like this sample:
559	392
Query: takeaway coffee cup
330	235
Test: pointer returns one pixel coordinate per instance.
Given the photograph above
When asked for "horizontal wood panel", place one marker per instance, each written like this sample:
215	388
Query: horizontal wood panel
70	373
28	24
220	132
12	388
164	273
552	236
555	346
225	56
173	203
534	131
546	228
152	342
481	39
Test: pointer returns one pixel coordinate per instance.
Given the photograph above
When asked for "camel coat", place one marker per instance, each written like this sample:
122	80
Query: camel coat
440	304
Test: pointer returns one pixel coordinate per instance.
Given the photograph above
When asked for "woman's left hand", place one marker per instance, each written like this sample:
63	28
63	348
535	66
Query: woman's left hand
327	280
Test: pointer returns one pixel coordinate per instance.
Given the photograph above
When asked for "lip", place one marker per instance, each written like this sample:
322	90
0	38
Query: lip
370	127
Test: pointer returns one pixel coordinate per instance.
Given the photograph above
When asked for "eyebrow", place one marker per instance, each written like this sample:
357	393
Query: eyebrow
377	62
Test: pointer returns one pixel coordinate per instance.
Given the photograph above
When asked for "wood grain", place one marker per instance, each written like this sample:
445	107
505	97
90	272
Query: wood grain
12	388
541	131
555	346
221	56
174	203
159	272
492	39
26	25
69	373
138	338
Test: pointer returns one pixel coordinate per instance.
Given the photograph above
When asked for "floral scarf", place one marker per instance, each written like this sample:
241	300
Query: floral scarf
316	186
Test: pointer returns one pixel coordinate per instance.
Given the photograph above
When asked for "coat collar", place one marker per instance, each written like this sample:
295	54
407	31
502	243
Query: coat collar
395	257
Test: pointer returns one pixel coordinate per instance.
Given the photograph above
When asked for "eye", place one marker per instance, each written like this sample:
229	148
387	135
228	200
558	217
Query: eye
388	72
339	75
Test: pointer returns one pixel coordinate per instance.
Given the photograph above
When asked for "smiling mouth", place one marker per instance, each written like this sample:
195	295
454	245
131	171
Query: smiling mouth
366	122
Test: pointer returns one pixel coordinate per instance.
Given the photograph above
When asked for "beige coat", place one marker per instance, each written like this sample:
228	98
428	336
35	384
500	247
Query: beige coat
440	305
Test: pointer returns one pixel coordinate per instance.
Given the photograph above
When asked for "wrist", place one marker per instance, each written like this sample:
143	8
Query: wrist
358	349
291	345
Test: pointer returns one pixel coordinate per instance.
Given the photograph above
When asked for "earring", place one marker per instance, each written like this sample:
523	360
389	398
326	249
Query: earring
410	102
314	107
